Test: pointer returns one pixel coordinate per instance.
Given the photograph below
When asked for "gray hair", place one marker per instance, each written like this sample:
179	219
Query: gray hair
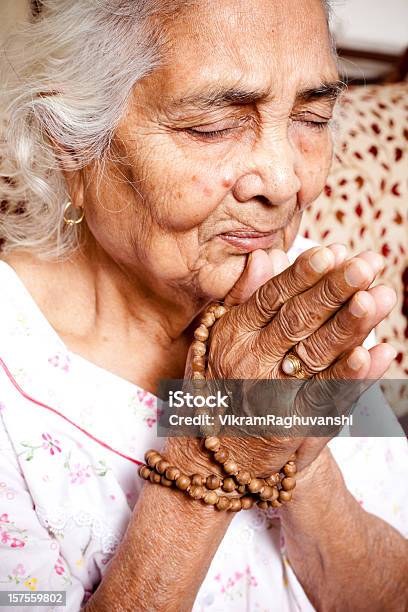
67	80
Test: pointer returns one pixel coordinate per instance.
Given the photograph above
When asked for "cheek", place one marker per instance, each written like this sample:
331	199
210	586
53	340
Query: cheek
184	202
313	161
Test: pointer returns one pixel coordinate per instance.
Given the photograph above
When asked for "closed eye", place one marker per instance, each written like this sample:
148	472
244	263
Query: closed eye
209	134
316	125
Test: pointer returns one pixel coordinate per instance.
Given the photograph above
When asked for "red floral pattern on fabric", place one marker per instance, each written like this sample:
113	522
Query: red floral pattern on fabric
364	203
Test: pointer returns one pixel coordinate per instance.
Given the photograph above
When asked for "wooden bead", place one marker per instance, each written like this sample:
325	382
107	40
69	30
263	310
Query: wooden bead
276	504
154	460
221	456
198	383
208	319
154	477
212	443
235	505
275	494
229	485
198	364
219	311
197	480
223	503
247	502
288	483
230	467
183	482
243	477
150	452
210	498
198	376
196	492
213	482
241	489
212	307
285	496
162	466
263	505
266	493
198	348
201	333
256	485
172	472
273	480
289	469
144	472
165	481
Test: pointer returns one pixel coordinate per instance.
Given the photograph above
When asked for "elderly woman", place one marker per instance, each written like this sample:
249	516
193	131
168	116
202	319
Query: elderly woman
158	157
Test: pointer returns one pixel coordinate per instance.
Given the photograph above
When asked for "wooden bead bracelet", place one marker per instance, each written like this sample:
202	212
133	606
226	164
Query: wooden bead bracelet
239	490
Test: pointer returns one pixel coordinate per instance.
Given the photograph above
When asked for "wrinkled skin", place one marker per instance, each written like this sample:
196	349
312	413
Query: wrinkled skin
183	189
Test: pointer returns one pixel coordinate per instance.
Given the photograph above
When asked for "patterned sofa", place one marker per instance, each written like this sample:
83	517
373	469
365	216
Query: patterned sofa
365	205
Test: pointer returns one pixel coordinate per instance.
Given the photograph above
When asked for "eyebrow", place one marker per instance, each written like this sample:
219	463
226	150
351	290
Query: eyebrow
220	97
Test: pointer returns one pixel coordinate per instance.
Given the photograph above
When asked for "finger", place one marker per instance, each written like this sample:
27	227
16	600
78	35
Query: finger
385	299
340	253
353	366
375	260
307	270
348	328
382	356
304	314
260	268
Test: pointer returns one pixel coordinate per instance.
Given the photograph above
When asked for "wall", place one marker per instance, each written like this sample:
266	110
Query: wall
378	25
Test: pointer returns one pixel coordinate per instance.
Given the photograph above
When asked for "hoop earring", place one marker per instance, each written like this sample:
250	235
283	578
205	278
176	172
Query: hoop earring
72	221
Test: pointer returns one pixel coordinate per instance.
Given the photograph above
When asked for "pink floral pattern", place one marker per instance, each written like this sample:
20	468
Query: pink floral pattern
50	444
66	499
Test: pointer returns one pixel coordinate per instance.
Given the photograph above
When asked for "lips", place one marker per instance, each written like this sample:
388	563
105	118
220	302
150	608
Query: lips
248	241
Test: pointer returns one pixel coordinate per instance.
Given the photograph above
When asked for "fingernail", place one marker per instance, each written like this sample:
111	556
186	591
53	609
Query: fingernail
355	273
355	361
393	354
378	263
340	252
321	260
357	306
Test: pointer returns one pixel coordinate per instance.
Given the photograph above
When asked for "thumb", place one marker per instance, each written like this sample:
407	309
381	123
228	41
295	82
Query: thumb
260	268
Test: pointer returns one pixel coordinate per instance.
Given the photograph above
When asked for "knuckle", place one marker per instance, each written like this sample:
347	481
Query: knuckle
293	320
330	294
295	278
267	299
342	328
313	354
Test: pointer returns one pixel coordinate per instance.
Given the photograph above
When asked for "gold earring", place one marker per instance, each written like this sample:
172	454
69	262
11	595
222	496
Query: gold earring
73	221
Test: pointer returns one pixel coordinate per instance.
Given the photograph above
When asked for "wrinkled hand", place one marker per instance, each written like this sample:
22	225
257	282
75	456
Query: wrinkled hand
321	305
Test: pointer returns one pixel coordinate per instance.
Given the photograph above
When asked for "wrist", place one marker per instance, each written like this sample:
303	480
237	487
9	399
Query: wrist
189	456
320	468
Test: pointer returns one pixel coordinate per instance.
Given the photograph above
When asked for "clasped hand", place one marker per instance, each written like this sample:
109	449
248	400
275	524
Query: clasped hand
324	307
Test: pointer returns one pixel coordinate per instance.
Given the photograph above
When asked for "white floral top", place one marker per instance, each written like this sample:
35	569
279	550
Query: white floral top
66	497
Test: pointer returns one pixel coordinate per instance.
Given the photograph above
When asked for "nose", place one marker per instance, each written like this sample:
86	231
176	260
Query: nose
270	172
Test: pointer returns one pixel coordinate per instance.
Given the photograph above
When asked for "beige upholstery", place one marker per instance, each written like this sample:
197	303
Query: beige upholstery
365	203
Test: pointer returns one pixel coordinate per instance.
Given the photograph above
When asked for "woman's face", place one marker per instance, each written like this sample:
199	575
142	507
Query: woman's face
227	138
